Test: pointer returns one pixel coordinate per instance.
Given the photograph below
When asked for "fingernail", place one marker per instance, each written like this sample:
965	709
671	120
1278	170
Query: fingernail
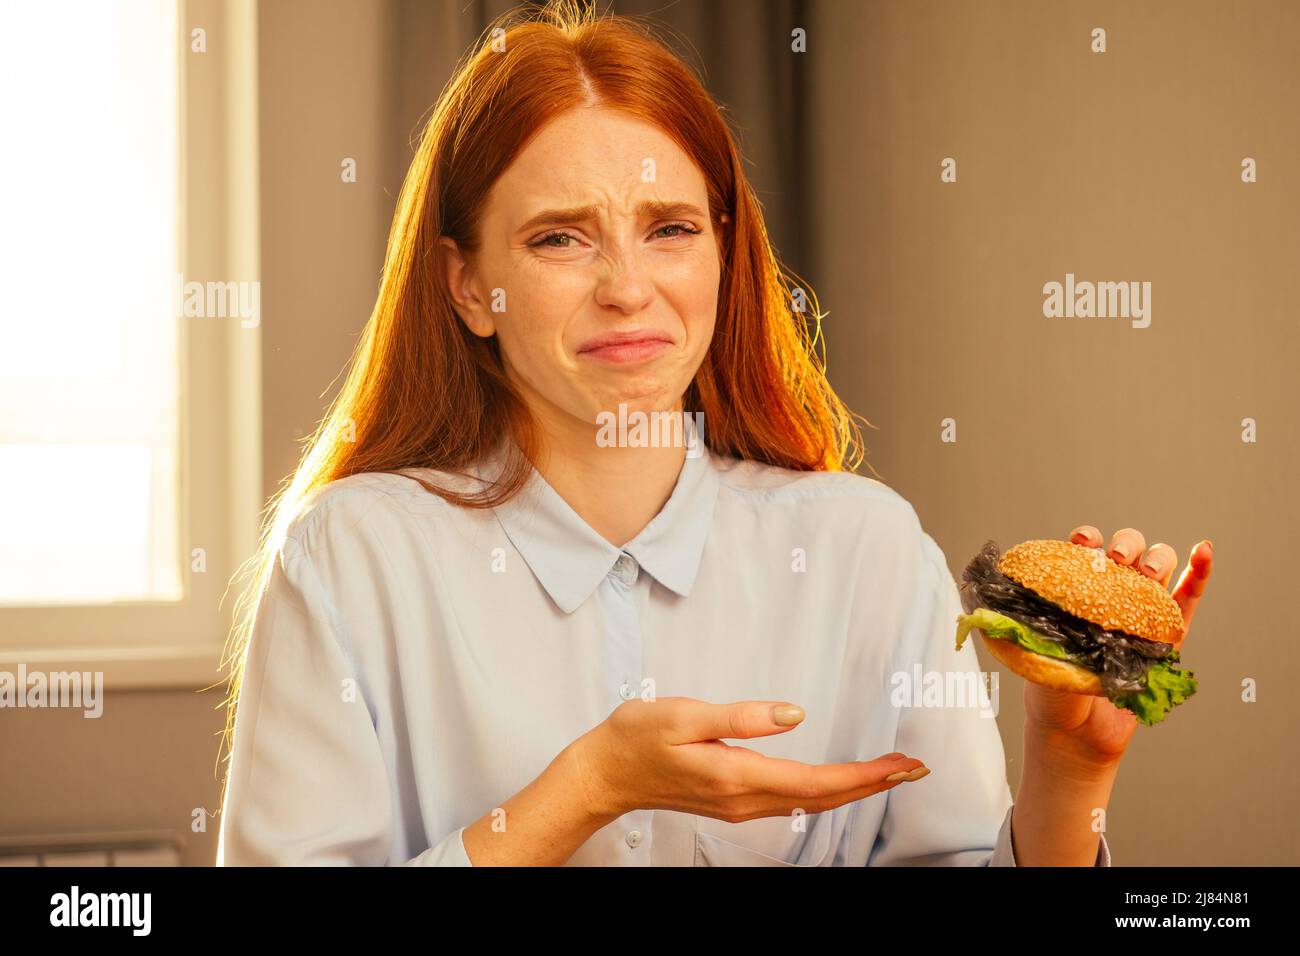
895	756
1121	552
1209	546
786	715
1151	566
915	774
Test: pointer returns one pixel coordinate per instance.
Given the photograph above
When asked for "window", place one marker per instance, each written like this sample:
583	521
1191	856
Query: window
130	431
90	371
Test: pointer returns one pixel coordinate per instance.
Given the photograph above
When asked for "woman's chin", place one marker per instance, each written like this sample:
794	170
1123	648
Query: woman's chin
642	393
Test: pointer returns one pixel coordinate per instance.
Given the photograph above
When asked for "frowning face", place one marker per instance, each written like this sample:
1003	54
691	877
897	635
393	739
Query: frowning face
598	269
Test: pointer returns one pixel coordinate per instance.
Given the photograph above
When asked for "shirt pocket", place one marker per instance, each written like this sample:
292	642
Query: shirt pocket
770	841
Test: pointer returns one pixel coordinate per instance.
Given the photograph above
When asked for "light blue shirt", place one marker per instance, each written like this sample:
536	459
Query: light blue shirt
414	664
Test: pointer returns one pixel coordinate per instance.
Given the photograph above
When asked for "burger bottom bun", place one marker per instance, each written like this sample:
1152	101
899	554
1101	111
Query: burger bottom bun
1041	669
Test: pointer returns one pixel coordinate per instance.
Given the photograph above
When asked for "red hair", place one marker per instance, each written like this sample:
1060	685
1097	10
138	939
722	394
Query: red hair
423	391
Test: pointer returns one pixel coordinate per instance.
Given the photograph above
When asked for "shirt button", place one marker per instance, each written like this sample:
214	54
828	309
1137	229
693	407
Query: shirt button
626	691
634	838
625	569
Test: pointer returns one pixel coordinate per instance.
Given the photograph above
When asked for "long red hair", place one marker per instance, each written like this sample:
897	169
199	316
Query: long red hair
422	391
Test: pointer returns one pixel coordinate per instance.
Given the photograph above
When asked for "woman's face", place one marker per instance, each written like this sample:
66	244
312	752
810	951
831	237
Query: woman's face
597	270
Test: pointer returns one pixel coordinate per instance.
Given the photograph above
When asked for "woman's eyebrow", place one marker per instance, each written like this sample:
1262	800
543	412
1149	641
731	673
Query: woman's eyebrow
656	208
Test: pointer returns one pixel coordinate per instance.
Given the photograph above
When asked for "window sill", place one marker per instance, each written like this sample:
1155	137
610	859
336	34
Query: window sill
176	667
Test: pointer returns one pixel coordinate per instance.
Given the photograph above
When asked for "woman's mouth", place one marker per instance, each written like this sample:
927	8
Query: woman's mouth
625	348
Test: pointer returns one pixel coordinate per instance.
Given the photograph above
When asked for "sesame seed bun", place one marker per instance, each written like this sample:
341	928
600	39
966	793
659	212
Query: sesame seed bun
1041	669
1092	586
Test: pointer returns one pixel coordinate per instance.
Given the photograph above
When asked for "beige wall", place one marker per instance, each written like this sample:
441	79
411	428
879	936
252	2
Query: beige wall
1116	166
1120	166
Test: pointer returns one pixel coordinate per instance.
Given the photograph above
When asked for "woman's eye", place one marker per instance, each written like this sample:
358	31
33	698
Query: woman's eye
565	240
546	240
680	227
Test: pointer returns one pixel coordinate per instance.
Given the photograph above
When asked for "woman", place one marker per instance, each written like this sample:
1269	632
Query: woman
492	627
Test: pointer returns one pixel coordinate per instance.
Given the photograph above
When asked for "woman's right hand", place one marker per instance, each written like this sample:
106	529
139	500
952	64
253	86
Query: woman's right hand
668	754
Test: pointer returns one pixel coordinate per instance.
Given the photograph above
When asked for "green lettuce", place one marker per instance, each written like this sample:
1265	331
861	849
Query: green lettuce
1166	685
999	625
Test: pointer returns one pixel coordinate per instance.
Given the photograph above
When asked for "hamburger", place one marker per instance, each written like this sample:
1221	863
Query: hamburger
1071	618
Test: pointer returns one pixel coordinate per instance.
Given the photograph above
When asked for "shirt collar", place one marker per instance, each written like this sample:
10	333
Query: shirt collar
570	559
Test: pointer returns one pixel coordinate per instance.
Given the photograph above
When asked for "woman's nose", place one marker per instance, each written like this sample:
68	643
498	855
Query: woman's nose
624	285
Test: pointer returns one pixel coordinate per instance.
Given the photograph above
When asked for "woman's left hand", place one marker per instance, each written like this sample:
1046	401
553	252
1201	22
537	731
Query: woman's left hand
1085	732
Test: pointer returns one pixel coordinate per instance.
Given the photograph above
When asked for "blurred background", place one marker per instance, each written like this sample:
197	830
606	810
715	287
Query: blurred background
927	167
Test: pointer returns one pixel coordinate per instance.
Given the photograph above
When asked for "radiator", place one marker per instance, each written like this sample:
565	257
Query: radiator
128	848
